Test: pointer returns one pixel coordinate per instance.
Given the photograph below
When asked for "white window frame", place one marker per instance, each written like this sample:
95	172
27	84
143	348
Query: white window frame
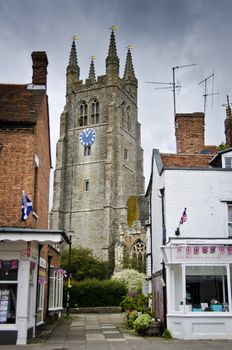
227	267
229	206
174	298
56	290
224	156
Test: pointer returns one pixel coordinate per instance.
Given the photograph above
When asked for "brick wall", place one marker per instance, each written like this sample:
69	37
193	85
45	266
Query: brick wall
189	132
42	150
16	174
17	171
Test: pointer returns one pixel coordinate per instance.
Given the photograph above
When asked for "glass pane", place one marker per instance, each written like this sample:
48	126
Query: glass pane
206	288
228	162
8	300
8	270
230	213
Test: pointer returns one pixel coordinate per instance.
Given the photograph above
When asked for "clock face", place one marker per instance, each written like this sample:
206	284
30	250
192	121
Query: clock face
87	137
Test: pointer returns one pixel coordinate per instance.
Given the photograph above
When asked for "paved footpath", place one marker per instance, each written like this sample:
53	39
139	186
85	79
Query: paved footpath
108	332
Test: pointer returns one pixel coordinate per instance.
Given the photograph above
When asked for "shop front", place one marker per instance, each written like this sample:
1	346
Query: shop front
23	279
198	285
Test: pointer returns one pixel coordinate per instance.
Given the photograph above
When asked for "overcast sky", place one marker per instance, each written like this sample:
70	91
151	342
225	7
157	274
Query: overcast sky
165	34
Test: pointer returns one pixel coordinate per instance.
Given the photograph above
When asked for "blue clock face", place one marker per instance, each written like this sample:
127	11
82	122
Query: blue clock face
87	137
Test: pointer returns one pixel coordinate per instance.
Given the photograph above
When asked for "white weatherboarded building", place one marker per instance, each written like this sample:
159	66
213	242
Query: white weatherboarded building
190	264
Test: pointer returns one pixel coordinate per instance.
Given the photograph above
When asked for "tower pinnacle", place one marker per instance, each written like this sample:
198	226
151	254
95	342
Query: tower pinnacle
92	75
112	60
73	70
129	74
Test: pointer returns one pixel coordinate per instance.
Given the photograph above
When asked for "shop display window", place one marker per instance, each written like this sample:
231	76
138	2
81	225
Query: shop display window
56	289
206	288
8	290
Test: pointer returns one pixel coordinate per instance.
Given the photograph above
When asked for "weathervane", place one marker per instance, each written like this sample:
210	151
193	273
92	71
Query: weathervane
114	27
75	37
129	47
93	58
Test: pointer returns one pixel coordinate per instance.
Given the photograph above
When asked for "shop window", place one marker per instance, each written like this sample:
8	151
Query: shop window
206	288
40	309
42	281
56	289
230	220
8	290
228	162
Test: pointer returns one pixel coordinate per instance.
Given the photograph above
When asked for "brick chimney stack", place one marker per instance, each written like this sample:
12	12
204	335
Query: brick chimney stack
40	62
190	132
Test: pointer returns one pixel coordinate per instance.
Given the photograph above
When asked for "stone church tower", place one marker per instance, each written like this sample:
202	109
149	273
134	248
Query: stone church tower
99	162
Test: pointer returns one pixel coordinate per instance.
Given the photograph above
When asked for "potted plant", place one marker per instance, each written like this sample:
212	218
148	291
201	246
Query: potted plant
215	305
142	323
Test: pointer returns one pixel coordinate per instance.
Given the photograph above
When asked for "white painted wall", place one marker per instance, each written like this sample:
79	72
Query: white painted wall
200	191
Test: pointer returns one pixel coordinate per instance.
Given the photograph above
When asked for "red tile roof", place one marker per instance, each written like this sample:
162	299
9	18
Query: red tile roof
19	105
186	160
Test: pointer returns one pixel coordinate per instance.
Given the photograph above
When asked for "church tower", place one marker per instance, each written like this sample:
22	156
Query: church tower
99	161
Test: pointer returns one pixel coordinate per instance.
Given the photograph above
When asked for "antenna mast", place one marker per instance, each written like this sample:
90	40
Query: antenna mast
174	83
205	81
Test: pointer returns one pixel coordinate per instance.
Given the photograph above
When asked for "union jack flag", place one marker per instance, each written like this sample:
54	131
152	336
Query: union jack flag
183	217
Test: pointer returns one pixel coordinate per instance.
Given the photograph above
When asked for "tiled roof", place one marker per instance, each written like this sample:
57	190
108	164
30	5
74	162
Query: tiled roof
19	105
186	160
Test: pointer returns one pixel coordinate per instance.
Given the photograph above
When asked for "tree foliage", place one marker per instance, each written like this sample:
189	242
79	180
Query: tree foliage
84	265
132	278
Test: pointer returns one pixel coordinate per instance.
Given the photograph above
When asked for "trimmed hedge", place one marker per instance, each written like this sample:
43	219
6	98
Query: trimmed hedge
95	293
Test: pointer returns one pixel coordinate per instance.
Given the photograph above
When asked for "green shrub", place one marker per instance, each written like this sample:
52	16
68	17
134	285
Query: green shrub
142	323
135	301
95	293
167	334
84	265
129	303
131	317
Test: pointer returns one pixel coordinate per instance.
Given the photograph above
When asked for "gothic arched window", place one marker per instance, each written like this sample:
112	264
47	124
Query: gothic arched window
123	114
95	112
128	119
138	255
83	117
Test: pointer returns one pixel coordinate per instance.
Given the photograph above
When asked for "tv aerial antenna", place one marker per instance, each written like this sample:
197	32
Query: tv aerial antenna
227	105
206	94
171	85
174	82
